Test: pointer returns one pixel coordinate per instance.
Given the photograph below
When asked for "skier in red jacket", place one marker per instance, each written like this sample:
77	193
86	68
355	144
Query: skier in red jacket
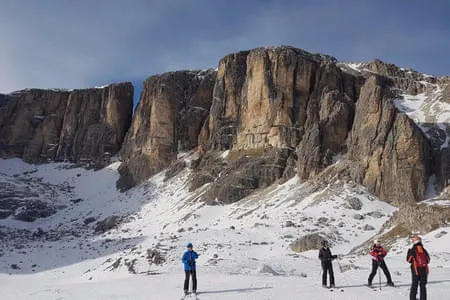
378	254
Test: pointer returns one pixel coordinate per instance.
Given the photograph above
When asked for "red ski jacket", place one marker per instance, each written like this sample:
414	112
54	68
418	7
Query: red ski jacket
378	253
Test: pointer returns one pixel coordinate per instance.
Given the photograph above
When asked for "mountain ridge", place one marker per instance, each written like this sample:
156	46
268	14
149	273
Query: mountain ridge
281	98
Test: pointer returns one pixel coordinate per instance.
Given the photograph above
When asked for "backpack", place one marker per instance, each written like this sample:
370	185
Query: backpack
421	258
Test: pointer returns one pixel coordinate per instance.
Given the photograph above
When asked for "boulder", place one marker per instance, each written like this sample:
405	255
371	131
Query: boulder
33	210
155	257
266	269
354	203
107	224
307	242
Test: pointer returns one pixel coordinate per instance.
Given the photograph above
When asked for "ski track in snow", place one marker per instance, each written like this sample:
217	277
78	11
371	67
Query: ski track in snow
233	241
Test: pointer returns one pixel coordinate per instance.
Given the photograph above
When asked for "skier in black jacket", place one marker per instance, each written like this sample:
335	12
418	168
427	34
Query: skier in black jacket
326	257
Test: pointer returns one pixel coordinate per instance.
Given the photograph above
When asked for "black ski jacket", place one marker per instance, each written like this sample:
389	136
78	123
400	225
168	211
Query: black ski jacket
325	255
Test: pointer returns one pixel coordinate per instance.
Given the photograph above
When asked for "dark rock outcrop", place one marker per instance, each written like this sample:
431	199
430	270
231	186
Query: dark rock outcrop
392	154
78	125
107	224
235	178
95	123
31	124
168	119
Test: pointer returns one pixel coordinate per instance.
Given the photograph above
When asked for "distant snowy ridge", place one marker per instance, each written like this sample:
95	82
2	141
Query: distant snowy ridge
430	112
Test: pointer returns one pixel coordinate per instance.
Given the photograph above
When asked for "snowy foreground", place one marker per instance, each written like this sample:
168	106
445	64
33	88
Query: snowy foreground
244	247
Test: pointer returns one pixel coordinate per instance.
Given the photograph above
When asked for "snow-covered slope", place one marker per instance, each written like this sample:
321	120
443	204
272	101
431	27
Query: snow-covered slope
429	111
244	247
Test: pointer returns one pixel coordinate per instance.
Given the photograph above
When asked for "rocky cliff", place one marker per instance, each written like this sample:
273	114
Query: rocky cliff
317	109
168	119
80	125
394	159
278	111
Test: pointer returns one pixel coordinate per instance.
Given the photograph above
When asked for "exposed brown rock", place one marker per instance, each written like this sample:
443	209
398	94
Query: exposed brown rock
79	125
392	153
283	98
95	122
32	124
168	119
237	177
408	80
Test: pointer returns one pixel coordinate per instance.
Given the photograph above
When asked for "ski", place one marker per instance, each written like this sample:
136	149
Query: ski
373	288
190	295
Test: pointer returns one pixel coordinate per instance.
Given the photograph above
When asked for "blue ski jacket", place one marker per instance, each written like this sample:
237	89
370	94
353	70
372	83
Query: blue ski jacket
188	260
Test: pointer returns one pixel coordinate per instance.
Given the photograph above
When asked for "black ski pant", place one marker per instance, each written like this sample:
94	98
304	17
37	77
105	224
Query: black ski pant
419	279
382	265
194	280
327	267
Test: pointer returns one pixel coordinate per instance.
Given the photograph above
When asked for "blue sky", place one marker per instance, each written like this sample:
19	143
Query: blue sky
78	44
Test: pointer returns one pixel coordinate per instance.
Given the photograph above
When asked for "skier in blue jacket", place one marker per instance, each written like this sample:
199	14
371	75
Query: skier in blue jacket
188	260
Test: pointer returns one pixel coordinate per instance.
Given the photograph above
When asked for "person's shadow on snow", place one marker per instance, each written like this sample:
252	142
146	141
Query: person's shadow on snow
396	284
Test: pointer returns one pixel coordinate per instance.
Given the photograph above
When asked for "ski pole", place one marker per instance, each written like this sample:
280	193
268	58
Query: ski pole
340	267
379	274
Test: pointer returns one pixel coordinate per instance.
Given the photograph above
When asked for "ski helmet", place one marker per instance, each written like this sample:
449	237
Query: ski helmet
416	239
189	245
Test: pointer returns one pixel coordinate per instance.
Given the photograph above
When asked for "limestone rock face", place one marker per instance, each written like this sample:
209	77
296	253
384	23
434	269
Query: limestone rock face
409	81
392	154
287	99
168	119
95	122
31	124
283	98
78	125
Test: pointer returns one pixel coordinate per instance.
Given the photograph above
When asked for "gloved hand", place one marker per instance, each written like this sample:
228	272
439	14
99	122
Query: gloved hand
334	256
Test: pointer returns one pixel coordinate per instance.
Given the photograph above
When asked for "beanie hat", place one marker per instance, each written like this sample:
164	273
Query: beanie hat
377	242
416	239
189	245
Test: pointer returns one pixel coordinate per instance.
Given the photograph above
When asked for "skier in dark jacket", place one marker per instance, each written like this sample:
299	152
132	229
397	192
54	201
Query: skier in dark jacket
419	259
327	266
188	260
378	254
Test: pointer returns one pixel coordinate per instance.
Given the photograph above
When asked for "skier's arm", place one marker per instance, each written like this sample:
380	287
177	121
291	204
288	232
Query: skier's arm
320	254
410	256
194	255
428	256
184	258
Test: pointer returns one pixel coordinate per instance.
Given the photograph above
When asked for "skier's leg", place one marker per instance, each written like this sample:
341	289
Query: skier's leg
414	284
423	284
324	273
186	281
386	271
194	281
330	270
374	271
